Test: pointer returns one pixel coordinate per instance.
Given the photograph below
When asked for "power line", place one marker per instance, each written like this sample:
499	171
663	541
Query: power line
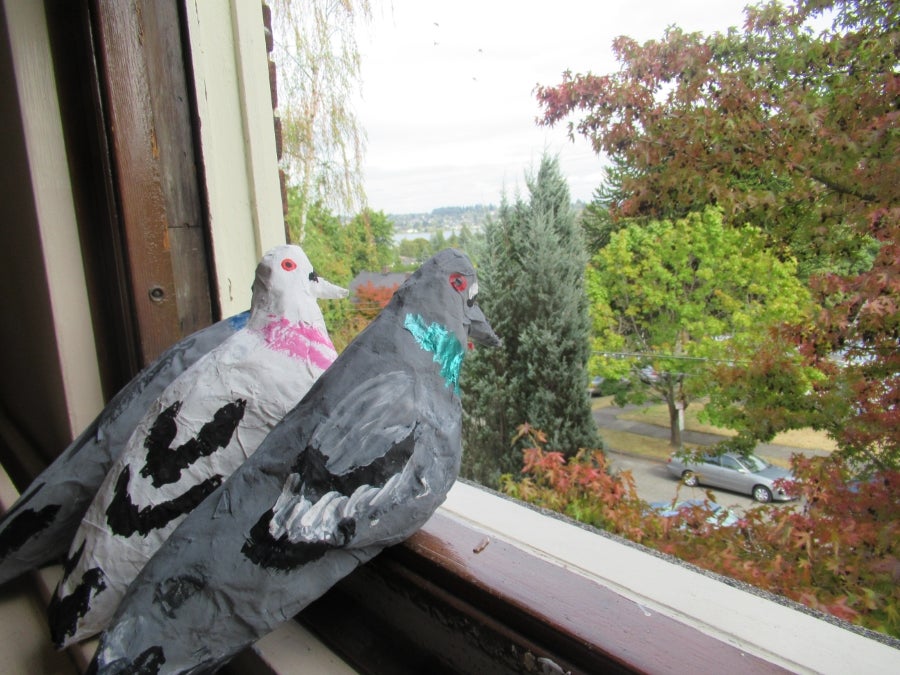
657	355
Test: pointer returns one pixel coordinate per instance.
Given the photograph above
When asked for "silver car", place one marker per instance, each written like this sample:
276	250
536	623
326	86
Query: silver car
749	475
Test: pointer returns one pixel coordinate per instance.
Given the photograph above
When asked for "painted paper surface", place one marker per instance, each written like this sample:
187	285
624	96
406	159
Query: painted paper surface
202	427
359	464
40	526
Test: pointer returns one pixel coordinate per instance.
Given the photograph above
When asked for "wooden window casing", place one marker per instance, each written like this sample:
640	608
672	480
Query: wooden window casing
454	598
149	253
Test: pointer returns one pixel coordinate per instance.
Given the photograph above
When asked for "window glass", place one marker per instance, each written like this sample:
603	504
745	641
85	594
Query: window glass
731	463
754	463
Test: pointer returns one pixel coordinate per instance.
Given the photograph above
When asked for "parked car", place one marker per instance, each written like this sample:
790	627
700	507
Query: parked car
715	514
749	475
600	386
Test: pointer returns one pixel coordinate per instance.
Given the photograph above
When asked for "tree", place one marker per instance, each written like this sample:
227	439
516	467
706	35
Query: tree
371	241
339	251
837	552
531	273
372	299
418	250
789	127
673	299
319	68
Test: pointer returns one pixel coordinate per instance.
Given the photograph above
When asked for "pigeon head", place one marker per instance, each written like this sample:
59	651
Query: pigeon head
444	290
286	285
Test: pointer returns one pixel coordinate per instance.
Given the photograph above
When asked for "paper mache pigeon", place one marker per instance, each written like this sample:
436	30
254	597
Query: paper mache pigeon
200	429
38	529
361	463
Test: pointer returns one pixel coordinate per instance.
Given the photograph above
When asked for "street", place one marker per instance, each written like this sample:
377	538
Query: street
655	483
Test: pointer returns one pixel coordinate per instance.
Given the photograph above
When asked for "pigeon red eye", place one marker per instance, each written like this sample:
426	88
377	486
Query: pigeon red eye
458	281
288	265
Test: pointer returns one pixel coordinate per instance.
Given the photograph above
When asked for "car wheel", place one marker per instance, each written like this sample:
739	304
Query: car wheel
762	494
690	479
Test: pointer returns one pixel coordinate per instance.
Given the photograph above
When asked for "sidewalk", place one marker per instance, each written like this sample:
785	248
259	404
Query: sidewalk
608	418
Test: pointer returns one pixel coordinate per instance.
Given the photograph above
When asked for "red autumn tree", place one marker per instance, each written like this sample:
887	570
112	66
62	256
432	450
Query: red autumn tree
371	299
839	552
792	128
368	302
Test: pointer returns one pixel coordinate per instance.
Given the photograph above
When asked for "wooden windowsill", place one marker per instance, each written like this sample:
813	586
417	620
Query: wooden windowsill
491	585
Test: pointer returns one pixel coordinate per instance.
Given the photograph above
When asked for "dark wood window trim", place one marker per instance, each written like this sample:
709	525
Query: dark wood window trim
129	116
457	599
454	600
492	585
147	106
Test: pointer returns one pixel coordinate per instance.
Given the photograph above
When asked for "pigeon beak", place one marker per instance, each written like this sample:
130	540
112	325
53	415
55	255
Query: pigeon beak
480	330
328	291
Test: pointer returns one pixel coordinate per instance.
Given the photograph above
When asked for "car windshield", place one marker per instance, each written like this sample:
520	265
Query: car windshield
754	463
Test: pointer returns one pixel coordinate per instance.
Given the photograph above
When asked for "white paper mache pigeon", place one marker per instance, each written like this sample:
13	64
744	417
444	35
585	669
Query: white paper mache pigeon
38	529
202	427
360	464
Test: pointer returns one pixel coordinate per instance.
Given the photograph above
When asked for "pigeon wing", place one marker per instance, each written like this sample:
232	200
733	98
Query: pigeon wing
39	528
255	553
370	476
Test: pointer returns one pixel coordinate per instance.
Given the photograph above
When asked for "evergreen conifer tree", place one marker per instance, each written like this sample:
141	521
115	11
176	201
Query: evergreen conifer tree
531	273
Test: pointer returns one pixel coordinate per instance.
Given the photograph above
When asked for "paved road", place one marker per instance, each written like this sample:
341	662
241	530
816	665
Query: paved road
608	418
655	484
653	480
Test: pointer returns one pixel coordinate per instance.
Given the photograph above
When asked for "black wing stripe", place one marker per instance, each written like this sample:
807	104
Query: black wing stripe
282	554
124	518
311	465
164	464
22	523
63	613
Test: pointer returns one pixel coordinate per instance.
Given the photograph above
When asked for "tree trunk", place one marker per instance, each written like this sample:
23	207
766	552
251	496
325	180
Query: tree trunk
675	439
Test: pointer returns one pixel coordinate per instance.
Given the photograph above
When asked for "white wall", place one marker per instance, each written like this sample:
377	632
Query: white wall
237	141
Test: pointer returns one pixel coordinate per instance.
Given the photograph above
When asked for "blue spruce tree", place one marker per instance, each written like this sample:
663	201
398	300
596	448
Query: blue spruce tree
531	273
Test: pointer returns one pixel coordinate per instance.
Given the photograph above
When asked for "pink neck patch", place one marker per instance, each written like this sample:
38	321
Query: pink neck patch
301	341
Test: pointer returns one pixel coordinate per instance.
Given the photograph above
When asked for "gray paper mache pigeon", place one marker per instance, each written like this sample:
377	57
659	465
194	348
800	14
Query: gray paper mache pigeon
360	464
203	426
38	529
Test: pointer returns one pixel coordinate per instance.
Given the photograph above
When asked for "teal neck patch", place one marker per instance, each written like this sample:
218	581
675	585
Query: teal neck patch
442	343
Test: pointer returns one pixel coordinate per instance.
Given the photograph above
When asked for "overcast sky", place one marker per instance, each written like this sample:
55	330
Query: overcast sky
448	103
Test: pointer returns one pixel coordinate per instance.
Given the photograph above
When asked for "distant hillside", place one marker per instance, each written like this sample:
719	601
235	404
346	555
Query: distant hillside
443	218
450	218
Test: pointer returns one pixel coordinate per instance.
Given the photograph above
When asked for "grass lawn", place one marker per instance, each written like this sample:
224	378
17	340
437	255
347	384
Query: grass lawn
635	444
658	448
806	439
655	448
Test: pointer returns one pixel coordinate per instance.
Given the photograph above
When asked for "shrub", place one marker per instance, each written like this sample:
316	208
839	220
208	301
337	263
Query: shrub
836	550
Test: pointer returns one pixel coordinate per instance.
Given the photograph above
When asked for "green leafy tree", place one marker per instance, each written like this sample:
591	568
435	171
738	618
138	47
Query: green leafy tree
318	64
417	250
790	127
531	273
370	242
339	251
326	242
672	300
